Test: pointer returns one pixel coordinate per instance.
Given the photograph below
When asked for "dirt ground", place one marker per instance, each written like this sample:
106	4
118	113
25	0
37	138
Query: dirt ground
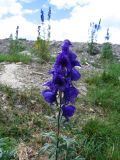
25	76
22	76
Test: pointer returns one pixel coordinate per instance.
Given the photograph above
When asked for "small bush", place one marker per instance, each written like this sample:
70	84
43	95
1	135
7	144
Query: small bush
92	48
16	46
41	49
107	52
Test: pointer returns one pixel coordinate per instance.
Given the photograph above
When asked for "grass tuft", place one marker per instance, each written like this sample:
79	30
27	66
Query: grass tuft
15	58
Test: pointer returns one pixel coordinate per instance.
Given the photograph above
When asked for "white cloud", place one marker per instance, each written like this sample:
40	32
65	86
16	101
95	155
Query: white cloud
67	3
9	7
30	11
26	29
26	1
76	26
16	13
13	7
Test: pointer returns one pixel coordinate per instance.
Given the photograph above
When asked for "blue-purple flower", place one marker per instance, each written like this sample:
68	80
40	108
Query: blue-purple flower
49	96
42	16
64	73
59	82
62	62
70	94
49	13
68	111
75	75
66	45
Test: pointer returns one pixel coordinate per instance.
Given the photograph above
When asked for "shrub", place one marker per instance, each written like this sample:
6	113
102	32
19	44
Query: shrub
107	52
42	49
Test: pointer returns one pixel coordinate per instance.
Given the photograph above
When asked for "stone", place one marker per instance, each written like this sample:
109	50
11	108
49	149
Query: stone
25	52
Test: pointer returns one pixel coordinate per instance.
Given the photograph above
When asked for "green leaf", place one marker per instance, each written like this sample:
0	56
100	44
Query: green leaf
79	158
50	135
46	148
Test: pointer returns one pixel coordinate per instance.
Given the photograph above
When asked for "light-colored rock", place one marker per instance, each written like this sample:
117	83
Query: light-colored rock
25	52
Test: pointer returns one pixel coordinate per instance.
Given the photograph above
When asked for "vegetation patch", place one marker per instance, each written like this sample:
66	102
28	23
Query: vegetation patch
15	58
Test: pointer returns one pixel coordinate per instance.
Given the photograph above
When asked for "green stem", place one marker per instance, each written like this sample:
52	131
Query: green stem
58	128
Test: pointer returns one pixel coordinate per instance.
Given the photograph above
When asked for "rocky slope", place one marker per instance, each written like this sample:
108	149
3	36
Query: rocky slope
55	46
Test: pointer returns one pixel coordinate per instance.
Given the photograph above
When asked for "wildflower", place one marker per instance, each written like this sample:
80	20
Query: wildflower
70	94
63	73
66	43
68	111
17	29
62	61
75	75
107	37
39	31
49	13
59	82
98	27
42	16
49	96
62	91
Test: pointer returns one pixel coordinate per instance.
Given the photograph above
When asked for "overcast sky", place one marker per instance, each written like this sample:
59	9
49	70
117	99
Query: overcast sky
70	18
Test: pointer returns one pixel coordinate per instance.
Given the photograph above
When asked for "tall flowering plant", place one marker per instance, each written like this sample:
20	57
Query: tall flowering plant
94	28
42	44
61	90
107	52
15	45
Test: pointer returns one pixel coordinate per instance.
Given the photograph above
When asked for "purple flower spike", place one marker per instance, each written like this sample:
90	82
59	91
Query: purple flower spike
42	16
49	96
63	74
68	111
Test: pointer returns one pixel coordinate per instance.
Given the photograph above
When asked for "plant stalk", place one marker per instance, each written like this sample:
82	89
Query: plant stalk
58	127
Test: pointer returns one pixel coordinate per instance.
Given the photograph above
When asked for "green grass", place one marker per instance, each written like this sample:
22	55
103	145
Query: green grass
15	58
101	140
97	137
104	89
14	121
7	148
26	122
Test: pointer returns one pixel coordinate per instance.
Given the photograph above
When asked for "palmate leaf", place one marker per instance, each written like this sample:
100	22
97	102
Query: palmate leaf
51	136
67	148
52	153
69	141
78	158
48	148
